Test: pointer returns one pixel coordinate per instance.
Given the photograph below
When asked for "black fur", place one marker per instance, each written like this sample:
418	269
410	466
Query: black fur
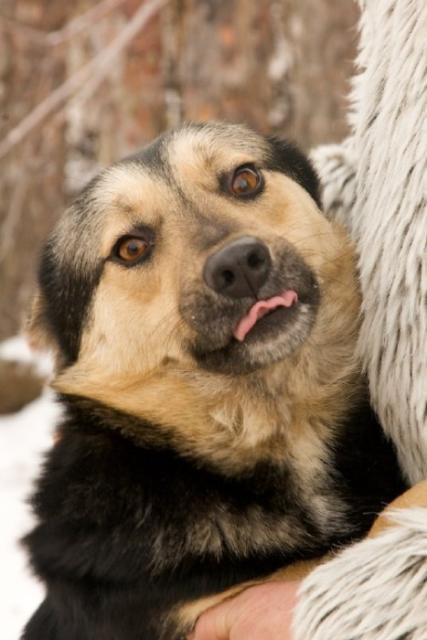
67	294
104	503
288	159
153	157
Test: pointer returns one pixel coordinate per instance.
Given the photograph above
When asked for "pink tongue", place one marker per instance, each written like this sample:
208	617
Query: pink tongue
259	309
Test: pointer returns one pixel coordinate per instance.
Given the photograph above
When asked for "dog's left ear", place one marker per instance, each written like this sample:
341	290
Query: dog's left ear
36	328
287	158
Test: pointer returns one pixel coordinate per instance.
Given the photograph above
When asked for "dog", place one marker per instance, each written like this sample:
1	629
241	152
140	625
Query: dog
216	423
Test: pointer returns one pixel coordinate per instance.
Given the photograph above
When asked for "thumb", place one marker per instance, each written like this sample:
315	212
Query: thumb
213	624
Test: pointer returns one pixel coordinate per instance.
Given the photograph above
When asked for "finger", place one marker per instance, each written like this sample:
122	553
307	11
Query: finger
212	625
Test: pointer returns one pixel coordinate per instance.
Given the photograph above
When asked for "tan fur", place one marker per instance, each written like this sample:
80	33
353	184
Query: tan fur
196	157
132	355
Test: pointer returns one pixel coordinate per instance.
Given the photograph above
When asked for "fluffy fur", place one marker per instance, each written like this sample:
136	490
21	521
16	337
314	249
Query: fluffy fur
188	462
375	184
377	589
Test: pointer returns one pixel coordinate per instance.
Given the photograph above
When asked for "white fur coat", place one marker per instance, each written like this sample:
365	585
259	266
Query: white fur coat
375	183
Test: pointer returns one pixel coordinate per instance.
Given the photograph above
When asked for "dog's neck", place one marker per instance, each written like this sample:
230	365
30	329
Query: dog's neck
229	422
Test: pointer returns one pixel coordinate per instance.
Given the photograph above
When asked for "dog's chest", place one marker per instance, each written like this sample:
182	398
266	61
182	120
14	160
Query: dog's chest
267	512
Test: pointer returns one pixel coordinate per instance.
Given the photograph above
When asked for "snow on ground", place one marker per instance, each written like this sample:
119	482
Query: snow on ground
18	349
24	436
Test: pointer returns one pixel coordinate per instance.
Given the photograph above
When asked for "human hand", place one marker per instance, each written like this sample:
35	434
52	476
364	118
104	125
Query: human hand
262	612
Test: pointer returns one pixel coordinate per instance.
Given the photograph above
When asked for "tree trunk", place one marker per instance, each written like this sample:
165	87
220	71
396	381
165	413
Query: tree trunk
31	176
282	66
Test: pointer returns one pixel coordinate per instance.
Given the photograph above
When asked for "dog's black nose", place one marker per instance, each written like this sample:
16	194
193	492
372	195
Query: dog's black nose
239	269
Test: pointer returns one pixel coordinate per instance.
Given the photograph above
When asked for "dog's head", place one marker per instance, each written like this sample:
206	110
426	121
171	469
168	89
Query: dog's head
207	251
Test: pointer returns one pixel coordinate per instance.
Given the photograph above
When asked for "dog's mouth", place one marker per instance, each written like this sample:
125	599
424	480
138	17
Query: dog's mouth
268	331
261	309
238	335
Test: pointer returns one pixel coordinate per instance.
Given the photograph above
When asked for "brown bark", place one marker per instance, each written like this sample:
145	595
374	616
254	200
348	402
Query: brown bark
31	176
281	66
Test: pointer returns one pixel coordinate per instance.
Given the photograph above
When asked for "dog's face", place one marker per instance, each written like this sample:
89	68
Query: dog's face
209	246
205	252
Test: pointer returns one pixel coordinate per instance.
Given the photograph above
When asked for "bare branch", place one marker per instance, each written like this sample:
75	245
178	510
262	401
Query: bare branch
36	35
78	25
82	22
100	65
13	216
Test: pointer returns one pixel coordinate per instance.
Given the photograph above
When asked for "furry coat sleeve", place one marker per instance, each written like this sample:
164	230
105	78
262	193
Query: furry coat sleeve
375	183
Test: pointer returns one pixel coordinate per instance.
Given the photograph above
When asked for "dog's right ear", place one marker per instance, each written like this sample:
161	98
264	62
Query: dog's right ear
287	158
36	328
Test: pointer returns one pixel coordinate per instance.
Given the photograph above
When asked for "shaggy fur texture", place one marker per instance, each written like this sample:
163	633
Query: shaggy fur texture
366	573
375	184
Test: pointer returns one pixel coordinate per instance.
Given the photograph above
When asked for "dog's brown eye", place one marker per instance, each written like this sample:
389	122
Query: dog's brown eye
131	249
246	181
135	247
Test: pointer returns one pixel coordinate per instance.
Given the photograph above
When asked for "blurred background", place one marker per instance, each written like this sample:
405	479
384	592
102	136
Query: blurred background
86	82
